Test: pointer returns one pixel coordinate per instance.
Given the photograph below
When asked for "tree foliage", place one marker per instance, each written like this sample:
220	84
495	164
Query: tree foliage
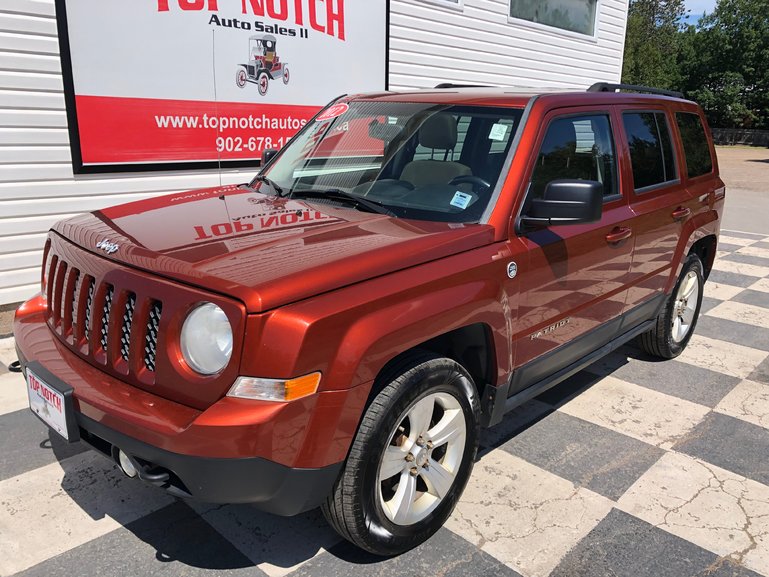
722	62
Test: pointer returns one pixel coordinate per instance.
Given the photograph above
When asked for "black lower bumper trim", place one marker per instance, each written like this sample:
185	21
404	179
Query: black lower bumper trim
270	486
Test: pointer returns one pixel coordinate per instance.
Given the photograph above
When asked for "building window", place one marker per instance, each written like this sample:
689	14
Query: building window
572	15
448	3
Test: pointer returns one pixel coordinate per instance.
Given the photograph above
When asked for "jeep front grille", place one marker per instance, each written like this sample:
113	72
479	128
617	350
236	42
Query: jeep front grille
89	315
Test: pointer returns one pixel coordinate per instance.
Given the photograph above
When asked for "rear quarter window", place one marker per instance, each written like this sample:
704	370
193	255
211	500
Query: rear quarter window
696	145
651	149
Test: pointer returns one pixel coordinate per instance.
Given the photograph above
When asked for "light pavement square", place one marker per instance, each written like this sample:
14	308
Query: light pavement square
721	356
761	285
721	291
726	239
748	401
63	505
523	515
754	251
742	313
706	505
650	416
13	393
741	268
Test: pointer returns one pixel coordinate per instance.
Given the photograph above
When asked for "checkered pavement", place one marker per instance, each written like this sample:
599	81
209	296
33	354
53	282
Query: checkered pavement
633	468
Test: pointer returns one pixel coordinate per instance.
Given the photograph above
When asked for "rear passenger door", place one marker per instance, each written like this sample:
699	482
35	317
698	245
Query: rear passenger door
660	202
575	286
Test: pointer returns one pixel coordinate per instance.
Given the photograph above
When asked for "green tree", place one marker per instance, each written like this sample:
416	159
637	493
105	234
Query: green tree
726	64
652	43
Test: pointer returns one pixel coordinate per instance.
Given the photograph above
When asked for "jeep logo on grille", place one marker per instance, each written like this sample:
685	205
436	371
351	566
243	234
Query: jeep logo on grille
107	246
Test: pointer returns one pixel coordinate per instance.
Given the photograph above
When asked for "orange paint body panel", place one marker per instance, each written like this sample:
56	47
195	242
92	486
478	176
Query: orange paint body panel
316	287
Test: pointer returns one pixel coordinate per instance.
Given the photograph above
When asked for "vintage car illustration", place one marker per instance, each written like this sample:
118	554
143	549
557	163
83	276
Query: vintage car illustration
263	64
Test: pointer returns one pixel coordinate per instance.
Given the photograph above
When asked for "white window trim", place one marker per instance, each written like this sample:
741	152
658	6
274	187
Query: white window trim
458	6
540	27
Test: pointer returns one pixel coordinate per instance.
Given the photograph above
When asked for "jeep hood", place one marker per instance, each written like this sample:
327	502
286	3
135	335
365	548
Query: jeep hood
263	250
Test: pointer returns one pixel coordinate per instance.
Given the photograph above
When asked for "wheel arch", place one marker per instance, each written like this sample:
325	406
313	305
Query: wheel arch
705	249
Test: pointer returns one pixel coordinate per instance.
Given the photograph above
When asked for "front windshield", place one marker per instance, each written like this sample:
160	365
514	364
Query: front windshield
417	160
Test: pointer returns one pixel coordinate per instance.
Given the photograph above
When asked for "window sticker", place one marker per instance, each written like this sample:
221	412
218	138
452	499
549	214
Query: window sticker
498	132
461	200
392	120
333	112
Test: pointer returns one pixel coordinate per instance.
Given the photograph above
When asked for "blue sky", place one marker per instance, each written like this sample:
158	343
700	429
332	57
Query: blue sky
697	7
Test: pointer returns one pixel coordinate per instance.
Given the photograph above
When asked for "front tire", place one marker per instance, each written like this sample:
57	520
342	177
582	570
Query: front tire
286	75
411	458
675	324
262	83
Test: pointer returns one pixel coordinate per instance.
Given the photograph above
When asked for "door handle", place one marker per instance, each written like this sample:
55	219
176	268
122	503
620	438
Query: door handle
618	234
681	213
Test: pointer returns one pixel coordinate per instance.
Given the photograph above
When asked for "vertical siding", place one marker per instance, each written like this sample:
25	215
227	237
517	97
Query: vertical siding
428	44
37	186
478	45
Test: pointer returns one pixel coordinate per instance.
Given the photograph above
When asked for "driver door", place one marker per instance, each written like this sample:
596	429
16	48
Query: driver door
578	275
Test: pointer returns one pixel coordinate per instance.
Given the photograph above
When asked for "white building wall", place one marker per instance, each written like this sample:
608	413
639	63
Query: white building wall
37	185
474	42
429	43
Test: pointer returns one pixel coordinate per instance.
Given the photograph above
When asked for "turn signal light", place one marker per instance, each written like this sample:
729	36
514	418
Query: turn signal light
275	389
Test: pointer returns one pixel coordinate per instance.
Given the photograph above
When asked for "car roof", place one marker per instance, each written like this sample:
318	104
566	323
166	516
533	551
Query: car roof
514	97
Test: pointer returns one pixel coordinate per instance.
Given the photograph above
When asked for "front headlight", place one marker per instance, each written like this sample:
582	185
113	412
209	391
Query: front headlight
206	340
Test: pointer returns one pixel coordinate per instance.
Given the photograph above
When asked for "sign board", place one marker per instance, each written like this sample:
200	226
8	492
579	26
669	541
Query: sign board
202	83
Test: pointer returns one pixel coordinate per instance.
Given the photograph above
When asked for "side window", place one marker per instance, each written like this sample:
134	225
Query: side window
695	141
651	151
577	148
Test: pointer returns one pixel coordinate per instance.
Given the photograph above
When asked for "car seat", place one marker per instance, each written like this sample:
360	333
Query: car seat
438	132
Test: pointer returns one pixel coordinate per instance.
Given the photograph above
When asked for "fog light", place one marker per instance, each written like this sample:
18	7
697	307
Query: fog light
126	464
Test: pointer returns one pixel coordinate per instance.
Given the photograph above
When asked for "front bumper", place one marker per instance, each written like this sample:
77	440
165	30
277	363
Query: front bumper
283	457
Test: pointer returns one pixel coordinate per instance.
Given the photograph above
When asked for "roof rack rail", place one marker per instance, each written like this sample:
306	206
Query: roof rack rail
452	85
609	87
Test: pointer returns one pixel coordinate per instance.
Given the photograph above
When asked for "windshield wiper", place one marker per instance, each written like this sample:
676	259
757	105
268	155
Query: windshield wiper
274	185
343	196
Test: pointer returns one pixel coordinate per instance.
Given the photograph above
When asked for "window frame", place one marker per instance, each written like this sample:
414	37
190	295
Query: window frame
576	113
673	144
683	147
542	27
458	5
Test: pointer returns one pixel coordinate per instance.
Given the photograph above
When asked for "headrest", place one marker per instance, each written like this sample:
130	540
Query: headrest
439	132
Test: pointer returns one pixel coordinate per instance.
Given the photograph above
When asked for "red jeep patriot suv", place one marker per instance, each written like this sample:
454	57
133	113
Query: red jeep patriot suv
406	270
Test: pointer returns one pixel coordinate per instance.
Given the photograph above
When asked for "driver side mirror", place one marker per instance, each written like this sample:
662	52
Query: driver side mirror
565	202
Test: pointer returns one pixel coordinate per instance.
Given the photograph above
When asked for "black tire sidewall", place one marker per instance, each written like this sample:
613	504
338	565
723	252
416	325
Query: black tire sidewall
451	378
676	348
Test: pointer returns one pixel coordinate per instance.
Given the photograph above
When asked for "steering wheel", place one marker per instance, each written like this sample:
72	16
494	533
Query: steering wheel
477	182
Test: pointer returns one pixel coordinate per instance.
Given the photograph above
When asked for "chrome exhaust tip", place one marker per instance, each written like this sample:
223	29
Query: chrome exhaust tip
126	464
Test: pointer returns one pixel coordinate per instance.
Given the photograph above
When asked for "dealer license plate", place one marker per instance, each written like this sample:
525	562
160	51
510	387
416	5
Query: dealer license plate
47	403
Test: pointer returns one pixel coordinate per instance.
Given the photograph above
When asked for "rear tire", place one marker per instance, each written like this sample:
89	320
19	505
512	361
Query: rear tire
386	505
675	324
241	77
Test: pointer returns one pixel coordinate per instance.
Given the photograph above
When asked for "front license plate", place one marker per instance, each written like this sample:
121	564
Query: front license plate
47	403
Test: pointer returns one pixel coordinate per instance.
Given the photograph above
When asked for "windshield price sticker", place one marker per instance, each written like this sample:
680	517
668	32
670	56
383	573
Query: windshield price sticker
333	112
498	132
461	200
